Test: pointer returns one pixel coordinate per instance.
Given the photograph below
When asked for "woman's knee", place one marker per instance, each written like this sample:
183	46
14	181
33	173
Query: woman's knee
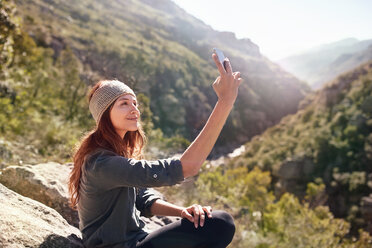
224	222
223	217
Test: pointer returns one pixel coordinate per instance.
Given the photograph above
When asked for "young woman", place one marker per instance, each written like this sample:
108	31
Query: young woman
110	180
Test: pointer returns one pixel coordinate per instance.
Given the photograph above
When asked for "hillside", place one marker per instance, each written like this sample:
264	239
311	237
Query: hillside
321	64
165	53
311	169
329	138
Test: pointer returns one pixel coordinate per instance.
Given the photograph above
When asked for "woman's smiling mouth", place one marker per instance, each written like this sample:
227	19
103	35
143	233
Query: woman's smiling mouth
132	119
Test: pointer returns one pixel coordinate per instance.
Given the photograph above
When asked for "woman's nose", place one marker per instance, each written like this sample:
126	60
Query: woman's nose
135	109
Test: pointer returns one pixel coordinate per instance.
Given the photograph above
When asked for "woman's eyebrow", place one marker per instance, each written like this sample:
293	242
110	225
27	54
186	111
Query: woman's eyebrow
122	99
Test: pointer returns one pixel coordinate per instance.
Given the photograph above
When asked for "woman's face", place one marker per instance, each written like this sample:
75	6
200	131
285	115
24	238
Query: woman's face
124	114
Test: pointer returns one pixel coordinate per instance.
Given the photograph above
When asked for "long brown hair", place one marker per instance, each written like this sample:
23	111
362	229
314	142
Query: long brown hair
104	136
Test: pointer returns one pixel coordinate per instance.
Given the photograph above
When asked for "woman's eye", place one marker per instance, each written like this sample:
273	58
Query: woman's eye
126	103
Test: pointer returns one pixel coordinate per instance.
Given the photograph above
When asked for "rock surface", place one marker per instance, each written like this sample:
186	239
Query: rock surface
367	211
156	222
289	173
46	183
29	223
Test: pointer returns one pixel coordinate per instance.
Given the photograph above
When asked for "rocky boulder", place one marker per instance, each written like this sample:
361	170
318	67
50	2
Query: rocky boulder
367	211
29	223
289	173
46	183
156	222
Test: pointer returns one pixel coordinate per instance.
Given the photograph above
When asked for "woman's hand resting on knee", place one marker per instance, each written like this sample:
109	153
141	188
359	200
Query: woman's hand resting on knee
195	212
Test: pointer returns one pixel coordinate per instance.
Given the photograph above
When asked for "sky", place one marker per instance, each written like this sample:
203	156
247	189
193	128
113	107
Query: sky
285	27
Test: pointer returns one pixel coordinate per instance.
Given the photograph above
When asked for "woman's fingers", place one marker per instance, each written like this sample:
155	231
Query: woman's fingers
218	64
227	66
202	215
196	215
208	210
187	215
236	75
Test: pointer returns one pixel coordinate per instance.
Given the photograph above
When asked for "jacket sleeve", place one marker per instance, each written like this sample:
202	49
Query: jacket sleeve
109	170
144	200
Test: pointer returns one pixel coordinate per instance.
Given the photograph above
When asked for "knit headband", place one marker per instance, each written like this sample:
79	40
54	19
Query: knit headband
106	94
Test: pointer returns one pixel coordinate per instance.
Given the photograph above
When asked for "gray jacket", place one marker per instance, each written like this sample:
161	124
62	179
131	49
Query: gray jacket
114	193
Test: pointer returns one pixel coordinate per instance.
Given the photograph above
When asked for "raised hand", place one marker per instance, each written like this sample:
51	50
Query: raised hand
226	85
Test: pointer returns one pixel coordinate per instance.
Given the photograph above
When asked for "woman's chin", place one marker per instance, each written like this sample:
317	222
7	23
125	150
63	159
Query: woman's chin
135	128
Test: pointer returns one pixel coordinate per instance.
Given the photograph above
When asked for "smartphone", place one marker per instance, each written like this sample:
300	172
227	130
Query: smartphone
220	55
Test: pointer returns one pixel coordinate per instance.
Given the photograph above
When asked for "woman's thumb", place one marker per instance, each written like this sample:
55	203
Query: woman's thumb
188	216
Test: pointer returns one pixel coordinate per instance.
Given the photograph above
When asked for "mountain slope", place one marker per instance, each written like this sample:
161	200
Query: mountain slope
321	64
329	139
312	170
160	50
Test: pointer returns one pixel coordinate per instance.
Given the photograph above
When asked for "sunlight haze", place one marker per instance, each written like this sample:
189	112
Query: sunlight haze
283	28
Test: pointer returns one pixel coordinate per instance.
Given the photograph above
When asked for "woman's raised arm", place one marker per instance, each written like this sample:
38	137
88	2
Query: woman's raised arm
226	88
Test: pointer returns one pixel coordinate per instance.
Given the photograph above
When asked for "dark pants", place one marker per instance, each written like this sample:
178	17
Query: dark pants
217	232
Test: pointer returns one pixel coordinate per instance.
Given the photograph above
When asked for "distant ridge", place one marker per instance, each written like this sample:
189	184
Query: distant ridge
322	63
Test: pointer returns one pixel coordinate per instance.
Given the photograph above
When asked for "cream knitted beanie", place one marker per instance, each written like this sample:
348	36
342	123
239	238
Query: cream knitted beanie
106	94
